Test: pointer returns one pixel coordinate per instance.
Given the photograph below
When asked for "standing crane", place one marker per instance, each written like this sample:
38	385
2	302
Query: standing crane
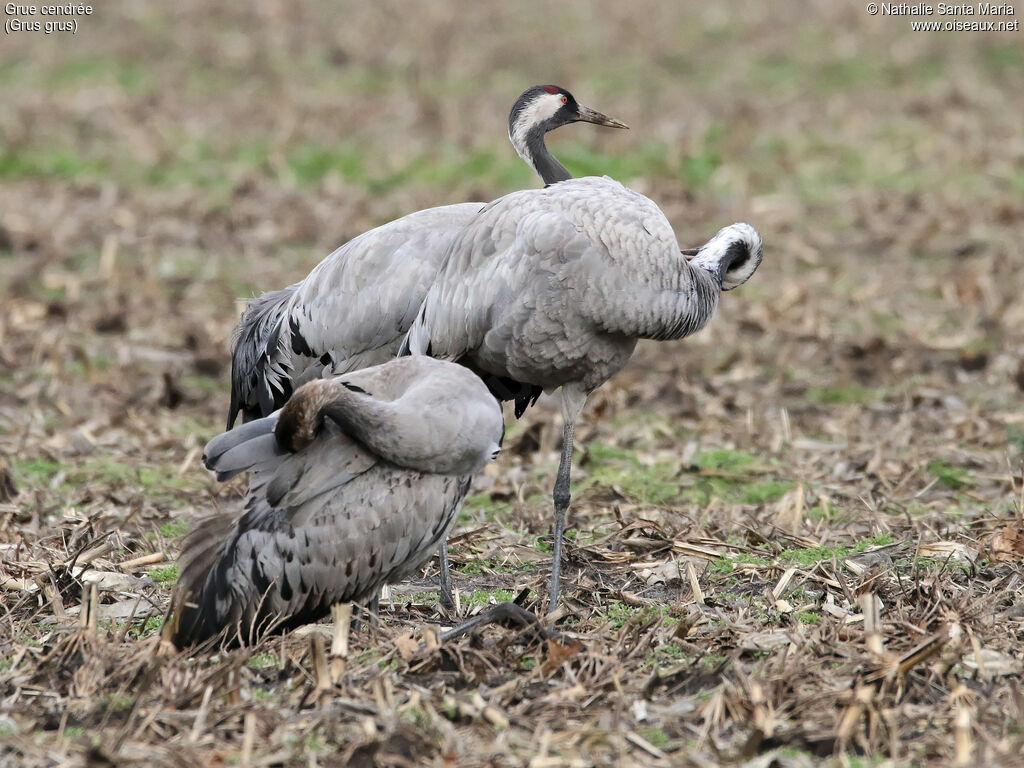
551	289
353	485
353	309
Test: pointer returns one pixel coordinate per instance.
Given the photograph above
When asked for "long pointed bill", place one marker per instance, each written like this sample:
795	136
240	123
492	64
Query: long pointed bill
588	115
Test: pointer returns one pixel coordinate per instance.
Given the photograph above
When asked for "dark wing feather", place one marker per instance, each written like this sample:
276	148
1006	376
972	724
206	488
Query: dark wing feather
210	594
255	391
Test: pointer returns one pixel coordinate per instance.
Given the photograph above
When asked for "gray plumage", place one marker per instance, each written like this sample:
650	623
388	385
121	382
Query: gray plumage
354	308
353	485
555	286
350	312
552	289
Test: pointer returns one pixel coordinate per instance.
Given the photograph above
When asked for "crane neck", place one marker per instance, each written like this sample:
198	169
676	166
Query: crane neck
535	152
667	298
689	302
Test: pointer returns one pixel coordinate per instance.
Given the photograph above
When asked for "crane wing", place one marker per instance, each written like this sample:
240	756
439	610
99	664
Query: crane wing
495	269
286	491
351	311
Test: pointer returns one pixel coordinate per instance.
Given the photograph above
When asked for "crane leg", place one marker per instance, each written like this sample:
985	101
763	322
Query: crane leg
371	613
561	498
446	596
373	610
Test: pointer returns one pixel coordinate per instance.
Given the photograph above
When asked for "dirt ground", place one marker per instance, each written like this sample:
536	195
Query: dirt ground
796	537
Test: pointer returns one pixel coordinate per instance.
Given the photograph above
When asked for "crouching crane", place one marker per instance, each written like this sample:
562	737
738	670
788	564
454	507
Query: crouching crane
353	485
551	289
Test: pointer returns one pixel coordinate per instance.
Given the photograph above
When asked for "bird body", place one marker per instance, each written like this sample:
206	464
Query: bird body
354	308
551	289
353	485
554	286
350	312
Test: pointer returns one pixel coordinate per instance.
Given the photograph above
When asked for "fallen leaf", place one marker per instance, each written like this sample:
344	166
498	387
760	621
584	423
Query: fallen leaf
1008	543
407	645
991	663
559	652
764	641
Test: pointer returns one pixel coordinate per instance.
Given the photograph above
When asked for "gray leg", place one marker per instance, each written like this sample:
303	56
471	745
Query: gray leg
371	612
561	498
447	596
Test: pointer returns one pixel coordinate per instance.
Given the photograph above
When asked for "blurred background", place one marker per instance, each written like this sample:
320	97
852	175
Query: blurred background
863	389
170	159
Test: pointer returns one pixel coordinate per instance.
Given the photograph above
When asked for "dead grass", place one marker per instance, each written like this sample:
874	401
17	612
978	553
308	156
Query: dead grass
797	535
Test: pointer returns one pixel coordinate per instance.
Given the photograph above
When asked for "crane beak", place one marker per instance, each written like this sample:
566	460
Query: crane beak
689	253
588	115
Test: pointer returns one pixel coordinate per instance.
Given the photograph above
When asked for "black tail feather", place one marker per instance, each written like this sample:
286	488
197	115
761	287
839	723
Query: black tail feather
254	390
505	388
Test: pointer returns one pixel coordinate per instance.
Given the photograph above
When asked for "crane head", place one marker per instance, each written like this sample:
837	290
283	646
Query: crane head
302	416
549	106
734	254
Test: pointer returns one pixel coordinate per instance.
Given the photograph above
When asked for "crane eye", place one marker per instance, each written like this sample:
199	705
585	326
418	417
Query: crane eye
565	99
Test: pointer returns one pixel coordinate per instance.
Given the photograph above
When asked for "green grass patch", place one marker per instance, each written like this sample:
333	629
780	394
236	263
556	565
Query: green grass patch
697	167
765	490
722	565
750	557
944	564
666	655
619	613
821	512
204	383
647	483
497	564
310	163
800	556
711	661
950	476
655	736
808	617
151	625
38	471
78	71
726	474
1015	438
642	161
118	701
853	393
1001	58
725	460
164	574
812	555
107	470
53	163
172	529
263	660
483	505
471	568
840	74
878	540
483	596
